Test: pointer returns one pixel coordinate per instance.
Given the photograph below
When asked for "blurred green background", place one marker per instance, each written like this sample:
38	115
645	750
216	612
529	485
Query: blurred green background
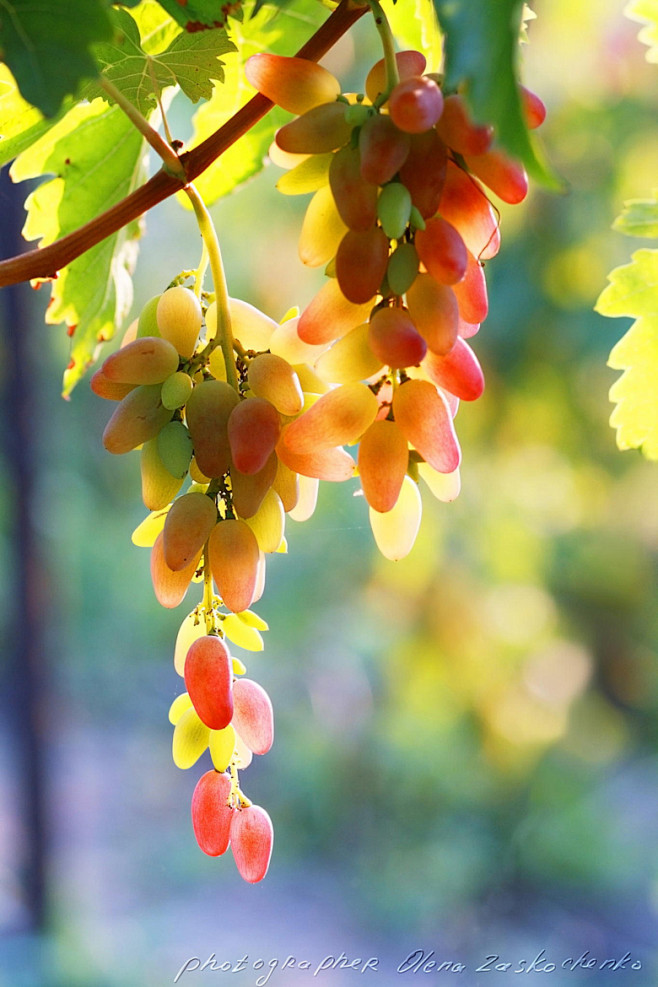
466	755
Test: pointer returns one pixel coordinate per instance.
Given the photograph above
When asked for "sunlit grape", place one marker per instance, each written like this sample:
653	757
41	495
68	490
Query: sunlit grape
321	129
268	523
159	486
442	251
458	130
434	311
533	108
249	489
272	377
330	315
148	360
395	531
296	84
423	173
180	705
458	371
148	530
334	465
307	176
253	430
505	176
147	324
169	586
322	229
191	628
444	486
188	525
209	681
211	813
424	418
340	416
287	344
402	268
286	484
252	838
464	204
253	716
349	359
415	104
233	553
383	459
394	339
179	318
241	634
175	448
251	327
471	293
394	209
221	745
176	389
109	389
408	62
190	739
307	500
383	149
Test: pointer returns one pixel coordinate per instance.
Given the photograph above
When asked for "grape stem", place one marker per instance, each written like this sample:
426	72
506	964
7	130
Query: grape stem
224	331
388	44
207	593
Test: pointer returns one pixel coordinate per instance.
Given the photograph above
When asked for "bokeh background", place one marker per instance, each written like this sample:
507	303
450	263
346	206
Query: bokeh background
466	755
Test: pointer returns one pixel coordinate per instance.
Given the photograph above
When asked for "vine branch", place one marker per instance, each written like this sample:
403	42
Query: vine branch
46	262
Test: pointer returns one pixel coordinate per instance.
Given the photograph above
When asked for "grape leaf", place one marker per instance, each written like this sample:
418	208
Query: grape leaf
646	11
420	31
47	46
639	217
97	157
633	291
481	54
281	32
198	15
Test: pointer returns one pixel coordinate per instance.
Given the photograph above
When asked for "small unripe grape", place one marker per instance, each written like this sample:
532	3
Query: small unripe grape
189	523
211	813
147	324
179	319
252	837
295	84
209	681
383	148
424	418
394	338
322	129
415	104
356	114
408	62
139	417
394	209
253	716
356	199
159	485
402	268
176	389
175	448
361	262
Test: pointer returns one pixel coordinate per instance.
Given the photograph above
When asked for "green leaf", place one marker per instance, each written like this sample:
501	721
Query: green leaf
47	46
633	290
281	32
198	15
646	11
419	31
97	158
481	55
639	217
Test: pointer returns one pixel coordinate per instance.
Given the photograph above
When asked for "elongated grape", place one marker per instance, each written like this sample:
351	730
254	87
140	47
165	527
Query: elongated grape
176	389
424	171
340	416
464	204
295	84
383	149
442	251
395	531
190	739
383	459
147	324
108	389
192	627
471	293
415	104
271	377
330	315
211	813
308	499
251	327
394	209
180	705
209	681
148	530
268	523
361	263
208	411
503	175
138	418
534	110
159	486
179	319
402	269
458	371
175	448
286	343
394	339
188	525
458	130
249	489
253	716
408	62
444	486
253	431
356	198
307	176
334	465
425	421
322	229
435	313
321	129
148	360
350	358
252	838
234	555
169	586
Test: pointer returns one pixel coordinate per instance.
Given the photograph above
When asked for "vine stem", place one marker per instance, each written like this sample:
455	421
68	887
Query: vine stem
46	262
170	159
388	44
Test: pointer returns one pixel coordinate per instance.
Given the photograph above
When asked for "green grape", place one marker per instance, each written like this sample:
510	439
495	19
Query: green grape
394	209
159	486
402	268
175	448
147	324
176	389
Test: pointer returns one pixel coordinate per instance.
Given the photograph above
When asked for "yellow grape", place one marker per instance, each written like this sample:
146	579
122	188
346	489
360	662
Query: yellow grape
424	418
409	63
148	530
175	448
179	706
248	489
268	523
148	360
312	385
192	628
355	198
330	315
170	587
271	377
221	746
335	464
382	460
253	430
241	634
179	318
234	555
340	416
307	176
287	344
147	324
361	261
320	129
159	486
286	484
252	619
350	358
217	364
322	229
176	389
207	412
295	84
444	486
434	311
308	499
138	418
395	531
251	327
190	739
189	523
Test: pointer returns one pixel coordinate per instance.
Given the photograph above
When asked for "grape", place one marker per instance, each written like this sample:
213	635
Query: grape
208	411
271	377
180	705
444	486
253	716
402	268
308	499
249	489
241	634
458	371
148	360
189	522
190	739
242	756
409	63
350	358
471	293
458	130
211	813
221	745
340	416
139	417
394	209
415	104
533	108
286	484
394	339
465	205
108	389
307	176
295	84
176	389
170	586
268	523
253	431
217	364
159	486
335	464
148	530
252	837
175	448
356	199
505	177
321	129
249	325
425	421
234	554
383	149
192	628
395	531
424	171
383	459
287	344
209	681
361	263
147	324
442	251
321	231
434	311
330	315
179	319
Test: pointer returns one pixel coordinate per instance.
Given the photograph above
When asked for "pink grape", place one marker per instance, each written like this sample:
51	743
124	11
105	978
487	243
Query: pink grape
442	251
333	464
408	62
458	130
249	489
361	263
339	417
505	176
458	371
295	84
252	838
320	129
208	411
464	204
189	523
424	171
383	148
169	585
471	293
211	813
208	674
415	104
425	421
394	339
383	459
253	716
253	431
356	198
434	310
234	557
330	315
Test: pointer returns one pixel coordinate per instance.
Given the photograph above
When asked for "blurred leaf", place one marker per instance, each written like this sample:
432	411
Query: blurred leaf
420	31
199	15
97	157
481	52
639	217
646	10
47	46
633	290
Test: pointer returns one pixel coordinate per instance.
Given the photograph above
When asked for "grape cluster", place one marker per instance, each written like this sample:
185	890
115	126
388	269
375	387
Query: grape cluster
402	220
